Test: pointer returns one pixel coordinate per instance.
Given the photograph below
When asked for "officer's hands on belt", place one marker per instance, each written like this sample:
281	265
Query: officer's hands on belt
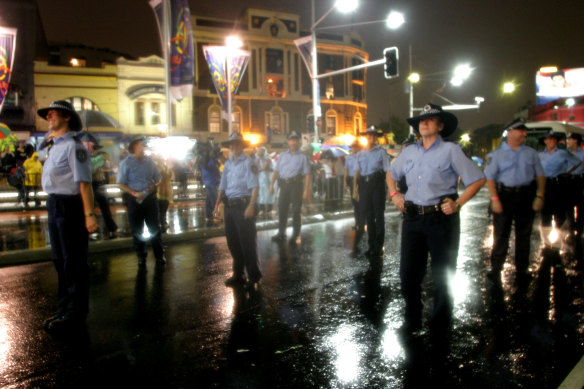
449	206
249	211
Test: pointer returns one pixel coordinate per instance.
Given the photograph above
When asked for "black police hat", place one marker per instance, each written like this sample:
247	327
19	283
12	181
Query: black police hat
372	130
67	108
235	137
293	134
550	134
576	136
432	110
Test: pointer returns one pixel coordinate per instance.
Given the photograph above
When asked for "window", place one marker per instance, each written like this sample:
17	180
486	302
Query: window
214	117
154	113
236	124
139	113
357	123
331	122
77	62
274	61
275	86
82	104
277	120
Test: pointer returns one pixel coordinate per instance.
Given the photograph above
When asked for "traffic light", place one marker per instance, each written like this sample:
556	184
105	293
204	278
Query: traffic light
310	123
390	67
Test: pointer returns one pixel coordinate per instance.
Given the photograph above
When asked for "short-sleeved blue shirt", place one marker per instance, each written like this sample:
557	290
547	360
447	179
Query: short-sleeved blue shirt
513	167
138	175
239	177
432	174
371	161
557	162
580	155
68	164
350	161
292	165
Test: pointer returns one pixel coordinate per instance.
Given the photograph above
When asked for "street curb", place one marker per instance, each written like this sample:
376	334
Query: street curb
27	256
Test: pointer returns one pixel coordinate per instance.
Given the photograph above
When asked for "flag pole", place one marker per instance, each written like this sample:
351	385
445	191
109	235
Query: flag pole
166	20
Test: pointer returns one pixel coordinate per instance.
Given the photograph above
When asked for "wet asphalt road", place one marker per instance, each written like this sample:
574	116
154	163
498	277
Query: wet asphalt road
325	317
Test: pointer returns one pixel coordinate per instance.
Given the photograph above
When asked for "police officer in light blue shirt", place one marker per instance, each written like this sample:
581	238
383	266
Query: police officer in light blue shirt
516	183
67	180
238	189
557	165
138	178
431	221
370	171
350	161
576	185
292	171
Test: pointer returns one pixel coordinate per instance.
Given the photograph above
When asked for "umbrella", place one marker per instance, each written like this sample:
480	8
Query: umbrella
86	136
4	131
477	160
334	152
98	119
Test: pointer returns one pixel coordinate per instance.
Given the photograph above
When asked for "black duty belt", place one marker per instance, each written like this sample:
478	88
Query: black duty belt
291	180
373	177
575	176
64	196
554	180
514	189
237	202
415	210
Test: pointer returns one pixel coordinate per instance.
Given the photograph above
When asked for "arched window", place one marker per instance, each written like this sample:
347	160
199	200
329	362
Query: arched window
214	118
331	122
277	120
357	123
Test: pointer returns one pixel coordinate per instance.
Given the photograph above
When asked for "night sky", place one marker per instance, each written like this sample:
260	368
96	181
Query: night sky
503	40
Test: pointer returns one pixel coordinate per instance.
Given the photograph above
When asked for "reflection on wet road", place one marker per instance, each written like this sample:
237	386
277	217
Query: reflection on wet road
325	317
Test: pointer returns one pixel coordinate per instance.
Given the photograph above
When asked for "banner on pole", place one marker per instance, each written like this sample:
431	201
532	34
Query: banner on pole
220	59
182	63
304	46
7	48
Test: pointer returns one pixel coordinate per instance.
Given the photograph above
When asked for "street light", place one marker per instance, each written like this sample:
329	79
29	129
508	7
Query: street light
508	87
461	73
395	20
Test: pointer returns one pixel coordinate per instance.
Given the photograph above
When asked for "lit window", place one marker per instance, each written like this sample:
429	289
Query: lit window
154	113
139	113
214	119
77	62
331	122
275	86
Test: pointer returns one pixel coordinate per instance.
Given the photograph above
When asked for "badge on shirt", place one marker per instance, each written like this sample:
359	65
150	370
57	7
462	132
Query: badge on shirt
81	155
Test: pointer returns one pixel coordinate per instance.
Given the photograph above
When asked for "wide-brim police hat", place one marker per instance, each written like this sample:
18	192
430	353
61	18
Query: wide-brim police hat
576	137
134	140
517	124
372	130
235	137
432	110
66	107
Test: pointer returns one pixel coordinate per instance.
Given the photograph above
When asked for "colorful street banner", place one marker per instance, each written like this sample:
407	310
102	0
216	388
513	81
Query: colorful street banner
182	64
217	59
7	48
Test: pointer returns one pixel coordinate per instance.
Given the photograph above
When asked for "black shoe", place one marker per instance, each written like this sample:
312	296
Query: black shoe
65	323
252	285
51	319
161	260
279	238
234	281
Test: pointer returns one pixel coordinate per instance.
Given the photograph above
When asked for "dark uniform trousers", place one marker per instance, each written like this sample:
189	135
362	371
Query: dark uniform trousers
290	194
439	235
576	210
518	208
69	247
357	214
138	214
555	203
104	207
372	192
241	237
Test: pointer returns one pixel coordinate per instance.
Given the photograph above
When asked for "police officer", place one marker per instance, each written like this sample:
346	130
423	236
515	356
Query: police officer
557	164
350	161
293	174
431	207
576	183
516	185
238	190
370	170
67	180
138	178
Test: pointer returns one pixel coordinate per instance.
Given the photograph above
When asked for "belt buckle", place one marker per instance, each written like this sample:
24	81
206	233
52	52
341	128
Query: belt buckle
420	209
